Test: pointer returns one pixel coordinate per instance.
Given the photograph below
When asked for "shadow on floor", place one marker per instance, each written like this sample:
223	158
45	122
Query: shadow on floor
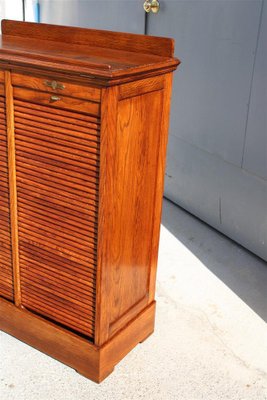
242	271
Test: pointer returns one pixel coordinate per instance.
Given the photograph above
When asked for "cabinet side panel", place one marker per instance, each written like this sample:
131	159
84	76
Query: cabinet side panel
129	215
6	274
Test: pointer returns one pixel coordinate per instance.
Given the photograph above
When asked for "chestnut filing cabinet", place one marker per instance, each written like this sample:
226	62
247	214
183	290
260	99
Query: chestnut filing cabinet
83	133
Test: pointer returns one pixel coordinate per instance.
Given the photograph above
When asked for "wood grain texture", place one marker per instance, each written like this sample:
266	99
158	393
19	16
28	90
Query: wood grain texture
81	181
74	351
109	104
130	140
159	189
68	89
12	187
91	37
140	87
61	101
2	76
52	285
50	339
138	330
107	57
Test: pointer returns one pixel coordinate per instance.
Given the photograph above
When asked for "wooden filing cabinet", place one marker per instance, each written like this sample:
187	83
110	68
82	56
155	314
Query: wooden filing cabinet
83	133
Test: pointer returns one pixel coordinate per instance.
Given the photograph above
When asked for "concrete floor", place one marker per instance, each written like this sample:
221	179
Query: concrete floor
211	333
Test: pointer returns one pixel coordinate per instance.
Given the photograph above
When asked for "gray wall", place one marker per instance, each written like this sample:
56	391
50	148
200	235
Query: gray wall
217	154
118	15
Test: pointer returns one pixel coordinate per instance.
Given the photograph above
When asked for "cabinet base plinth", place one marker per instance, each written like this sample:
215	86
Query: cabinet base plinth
91	361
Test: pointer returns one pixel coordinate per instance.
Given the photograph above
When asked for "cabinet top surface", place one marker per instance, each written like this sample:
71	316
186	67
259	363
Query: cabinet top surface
106	55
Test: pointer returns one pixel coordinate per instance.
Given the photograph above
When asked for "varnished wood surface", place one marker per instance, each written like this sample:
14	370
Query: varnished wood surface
62	101
81	180
91	37
46	154
159	188
109	102
133	333
64	88
9	268
49	338
90	361
6	270
129	210
141	86
102	54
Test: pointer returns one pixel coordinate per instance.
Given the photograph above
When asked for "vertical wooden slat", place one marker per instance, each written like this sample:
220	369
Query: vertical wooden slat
109	104
12	186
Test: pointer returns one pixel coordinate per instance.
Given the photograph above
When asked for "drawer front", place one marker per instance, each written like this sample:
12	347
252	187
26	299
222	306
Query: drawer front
57	86
57	101
6	278
57	167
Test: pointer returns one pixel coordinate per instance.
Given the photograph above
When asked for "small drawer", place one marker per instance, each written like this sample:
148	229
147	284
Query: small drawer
2	76
57	101
56	86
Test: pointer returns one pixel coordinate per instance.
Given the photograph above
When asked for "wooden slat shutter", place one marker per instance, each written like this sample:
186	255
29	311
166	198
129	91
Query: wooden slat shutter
57	167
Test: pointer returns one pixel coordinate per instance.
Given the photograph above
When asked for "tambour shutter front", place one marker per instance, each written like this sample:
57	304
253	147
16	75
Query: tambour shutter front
57	169
6	274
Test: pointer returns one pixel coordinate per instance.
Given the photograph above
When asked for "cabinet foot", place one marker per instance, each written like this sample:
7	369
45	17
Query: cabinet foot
99	379
146	337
